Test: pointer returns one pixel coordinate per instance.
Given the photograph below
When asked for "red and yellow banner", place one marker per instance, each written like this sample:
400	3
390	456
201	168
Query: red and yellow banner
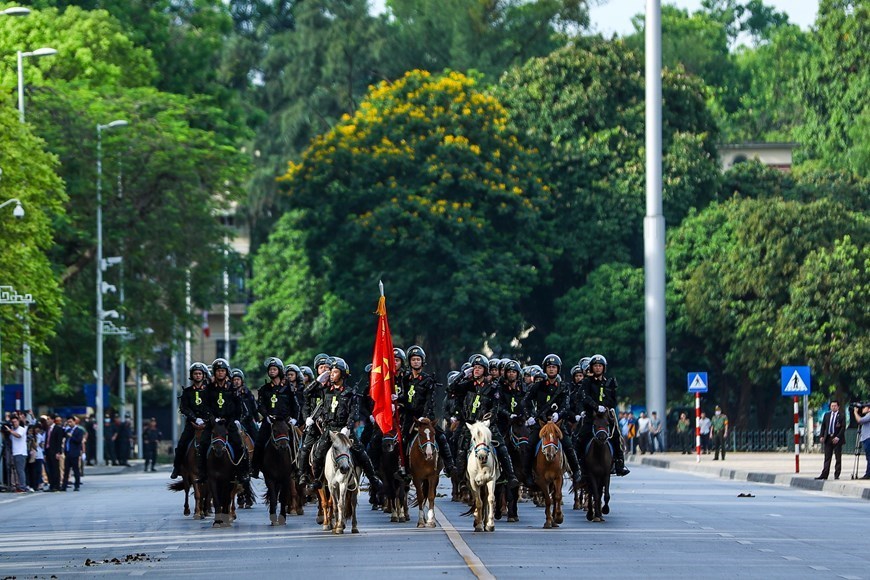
383	371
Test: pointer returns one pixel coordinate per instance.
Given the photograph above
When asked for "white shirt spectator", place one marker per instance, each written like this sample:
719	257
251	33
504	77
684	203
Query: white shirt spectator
40	445
19	444
705	425
643	425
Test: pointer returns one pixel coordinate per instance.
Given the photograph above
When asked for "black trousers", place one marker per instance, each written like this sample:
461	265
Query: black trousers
52	467
150	453
72	462
719	444
184	441
835	451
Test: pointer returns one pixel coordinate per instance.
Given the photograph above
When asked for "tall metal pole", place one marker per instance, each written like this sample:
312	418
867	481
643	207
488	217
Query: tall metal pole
28	377
188	348
20	86
654	222
226	303
139	426
174	390
122	387
99	403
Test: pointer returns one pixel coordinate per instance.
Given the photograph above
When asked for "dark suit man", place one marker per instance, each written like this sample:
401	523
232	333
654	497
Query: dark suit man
74	440
833	435
54	452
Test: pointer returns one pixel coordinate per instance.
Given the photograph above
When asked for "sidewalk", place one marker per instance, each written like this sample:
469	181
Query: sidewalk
773	468
135	465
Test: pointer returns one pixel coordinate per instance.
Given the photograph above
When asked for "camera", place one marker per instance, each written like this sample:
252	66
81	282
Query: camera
859	405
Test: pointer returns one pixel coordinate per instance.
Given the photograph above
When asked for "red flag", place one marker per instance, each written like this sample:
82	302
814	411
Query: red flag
383	371
205	329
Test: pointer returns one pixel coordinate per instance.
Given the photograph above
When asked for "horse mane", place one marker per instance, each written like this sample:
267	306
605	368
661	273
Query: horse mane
549	428
479	430
344	439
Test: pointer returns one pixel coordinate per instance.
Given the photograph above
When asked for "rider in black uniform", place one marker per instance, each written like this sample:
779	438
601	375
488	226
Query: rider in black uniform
598	393
275	399
226	407
194	406
249	403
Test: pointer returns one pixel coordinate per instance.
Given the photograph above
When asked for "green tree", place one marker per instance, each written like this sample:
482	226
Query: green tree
427	189
835	84
29	174
605	316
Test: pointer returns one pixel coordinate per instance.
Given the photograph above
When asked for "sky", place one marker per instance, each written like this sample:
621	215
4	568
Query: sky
615	15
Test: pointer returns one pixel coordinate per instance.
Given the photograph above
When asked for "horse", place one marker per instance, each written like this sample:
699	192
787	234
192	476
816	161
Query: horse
598	461
548	472
424	464
395	498
483	471
247	499
517	445
297	494
342	481
189	473
221	475
459	492
278	462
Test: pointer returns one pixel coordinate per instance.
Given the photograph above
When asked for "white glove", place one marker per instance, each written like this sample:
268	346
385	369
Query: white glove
602	409
454	419
530	422
200	422
467	372
555	417
309	422
394	397
239	425
393	407
345	431
323	378
293	422
372	419
513	415
486	422
576	418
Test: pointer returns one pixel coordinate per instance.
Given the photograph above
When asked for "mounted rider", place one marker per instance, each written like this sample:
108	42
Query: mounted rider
511	397
249	403
480	397
400	360
598	393
334	414
547	400
312	394
293	379
275	399
416	399
194	406
224	405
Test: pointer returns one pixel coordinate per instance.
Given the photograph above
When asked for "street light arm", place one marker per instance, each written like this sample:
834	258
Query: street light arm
8	201
15	11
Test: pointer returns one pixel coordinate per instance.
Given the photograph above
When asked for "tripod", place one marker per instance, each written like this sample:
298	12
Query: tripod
858	449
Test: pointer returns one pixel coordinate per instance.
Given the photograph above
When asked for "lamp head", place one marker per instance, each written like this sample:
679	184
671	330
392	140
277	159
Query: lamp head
18	211
15	11
43	52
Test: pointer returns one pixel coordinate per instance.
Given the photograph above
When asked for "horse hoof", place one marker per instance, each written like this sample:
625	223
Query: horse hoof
512	519
326	528
599	519
354	531
547	525
217	524
589	517
421	524
282	521
273	518
559	519
319	519
605	509
394	519
430	524
407	518
187	511
300	512
555	525
478	528
490	528
197	516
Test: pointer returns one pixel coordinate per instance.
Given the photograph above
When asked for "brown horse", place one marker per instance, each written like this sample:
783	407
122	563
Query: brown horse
425	465
221	475
548	472
189	472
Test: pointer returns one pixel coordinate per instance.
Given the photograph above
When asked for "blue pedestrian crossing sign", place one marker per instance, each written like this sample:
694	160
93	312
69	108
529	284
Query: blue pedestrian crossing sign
697	382
795	381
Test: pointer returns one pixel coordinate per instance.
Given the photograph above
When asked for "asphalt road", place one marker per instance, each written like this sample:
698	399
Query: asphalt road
663	524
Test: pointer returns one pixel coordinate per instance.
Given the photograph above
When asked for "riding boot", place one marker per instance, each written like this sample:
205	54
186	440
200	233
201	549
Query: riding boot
242	475
574	465
529	464
619	460
363	460
318	473
176	464
507	466
446	454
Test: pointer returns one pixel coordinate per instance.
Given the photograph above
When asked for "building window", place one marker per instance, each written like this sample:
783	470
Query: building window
219	344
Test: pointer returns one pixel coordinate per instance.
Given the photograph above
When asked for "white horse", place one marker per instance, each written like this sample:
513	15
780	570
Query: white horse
483	471
342	480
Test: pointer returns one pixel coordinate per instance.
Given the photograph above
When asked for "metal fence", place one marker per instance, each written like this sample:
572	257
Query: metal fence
765	440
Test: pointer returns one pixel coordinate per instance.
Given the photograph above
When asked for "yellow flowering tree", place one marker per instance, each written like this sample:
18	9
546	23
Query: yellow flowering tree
426	188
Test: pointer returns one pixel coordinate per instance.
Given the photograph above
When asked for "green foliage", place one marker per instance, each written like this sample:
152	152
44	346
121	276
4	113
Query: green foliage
426	188
29	174
836	82
605	315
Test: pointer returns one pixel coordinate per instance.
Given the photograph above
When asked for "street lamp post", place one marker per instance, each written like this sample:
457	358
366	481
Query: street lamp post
8	295
21	57
103	326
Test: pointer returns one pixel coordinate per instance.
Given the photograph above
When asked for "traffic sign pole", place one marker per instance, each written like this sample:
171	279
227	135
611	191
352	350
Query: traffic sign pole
697	427
797	438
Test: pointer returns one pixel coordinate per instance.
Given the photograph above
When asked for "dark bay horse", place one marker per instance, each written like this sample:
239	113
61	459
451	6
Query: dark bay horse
517	445
424	463
278	466
395	495
598	462
548	472
189	472
221	464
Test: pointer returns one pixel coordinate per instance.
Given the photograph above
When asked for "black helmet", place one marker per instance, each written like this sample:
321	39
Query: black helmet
584	363
493	363
537	372
479	359
294	368
369	368
340	364
220	363
451	376
320	359
274	361
237	373
306	370
197	366
512	365
551	359
576	369
598	359
417	351
400	354
465	366
502	362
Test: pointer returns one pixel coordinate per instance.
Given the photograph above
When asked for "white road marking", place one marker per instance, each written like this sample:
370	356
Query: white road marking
791	558
744	542
171	548
819	568
138	573
471	560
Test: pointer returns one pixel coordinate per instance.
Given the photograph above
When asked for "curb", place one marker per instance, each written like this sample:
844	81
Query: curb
836	487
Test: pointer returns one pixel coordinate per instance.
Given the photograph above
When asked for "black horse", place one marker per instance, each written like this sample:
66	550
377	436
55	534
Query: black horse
517	444
278	466
221	466
394	490
599	460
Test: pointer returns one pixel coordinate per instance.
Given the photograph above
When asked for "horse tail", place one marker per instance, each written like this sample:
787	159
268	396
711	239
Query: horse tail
176	486
469	512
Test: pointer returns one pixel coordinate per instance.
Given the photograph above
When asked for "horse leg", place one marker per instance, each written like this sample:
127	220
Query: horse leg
605	509
432	487
548	507
186	498
558	518
478	505
273	500
490	498
578	495
323	508
354	503
591	491
419	486
283	496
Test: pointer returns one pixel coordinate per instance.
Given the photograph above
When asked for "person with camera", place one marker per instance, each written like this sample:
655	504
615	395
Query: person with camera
862	417
18	437
833	435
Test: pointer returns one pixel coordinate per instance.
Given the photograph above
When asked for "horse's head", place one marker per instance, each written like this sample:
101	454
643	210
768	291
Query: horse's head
519	432
481	441
390	441
551	434
280	433
219	437
601	426
426	437
340	451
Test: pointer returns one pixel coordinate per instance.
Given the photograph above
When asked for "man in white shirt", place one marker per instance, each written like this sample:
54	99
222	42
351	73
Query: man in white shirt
643	432
18	437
